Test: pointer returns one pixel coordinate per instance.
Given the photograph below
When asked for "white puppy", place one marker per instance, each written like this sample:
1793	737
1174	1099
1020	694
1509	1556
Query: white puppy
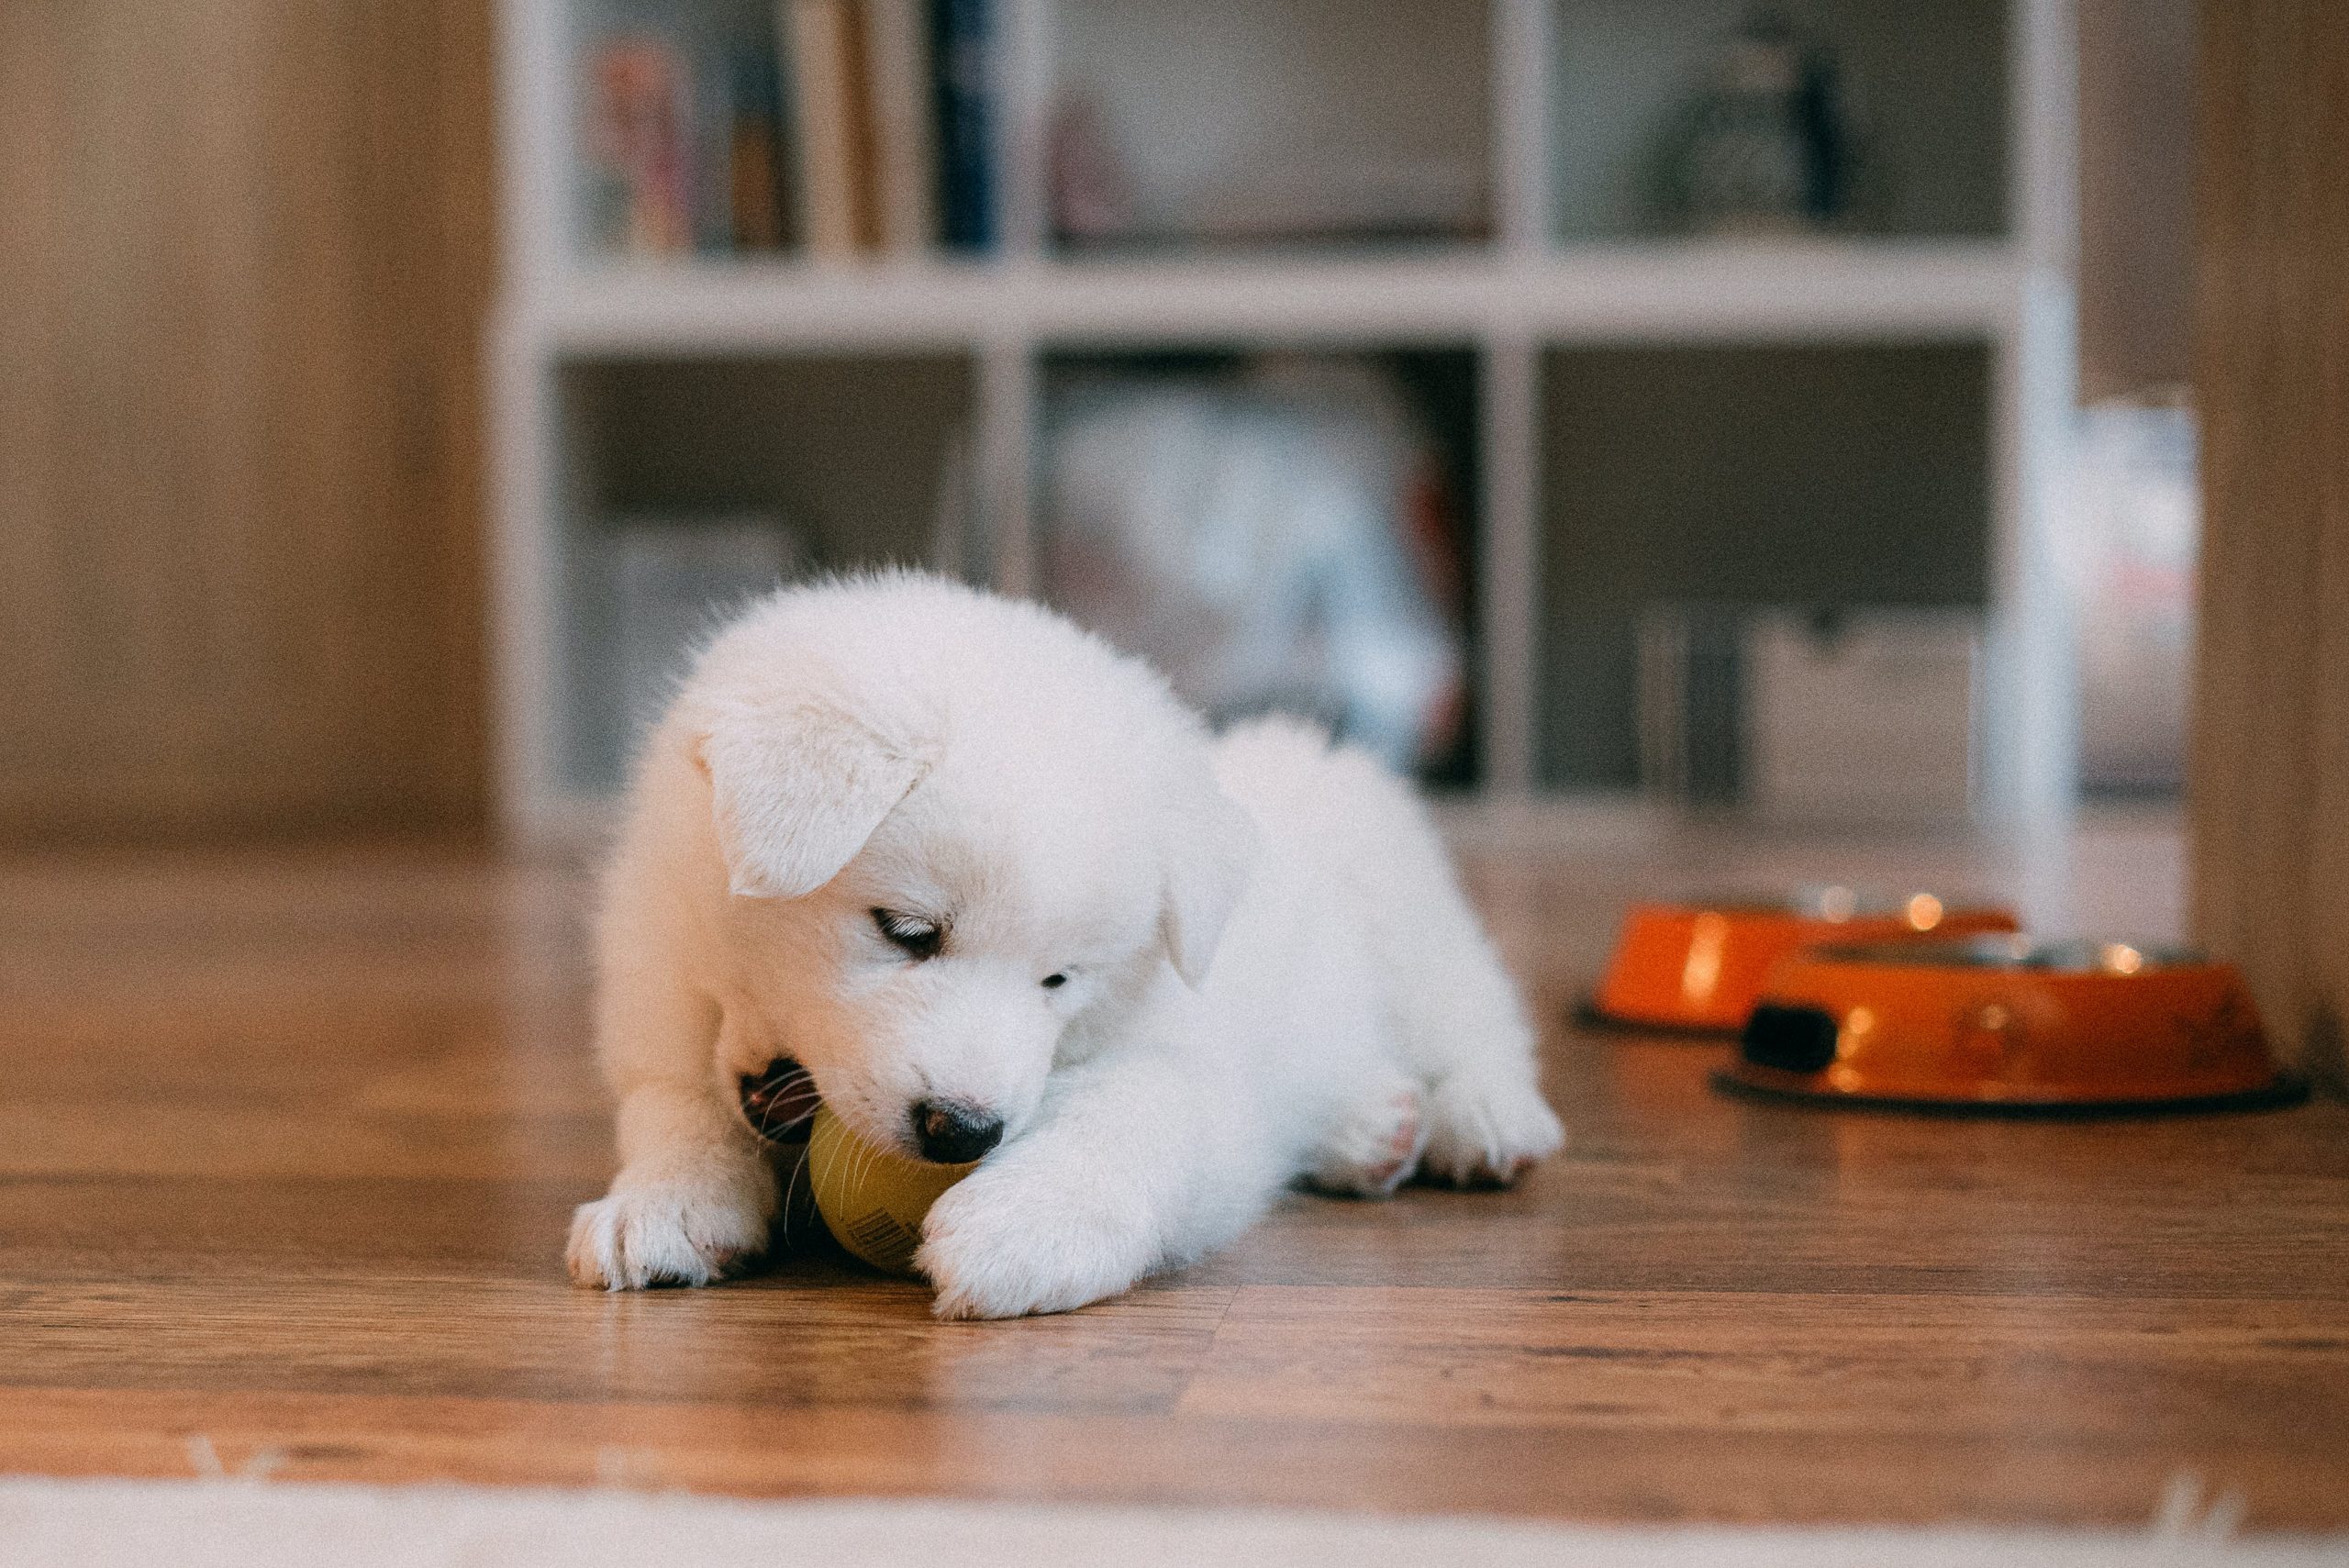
1002	893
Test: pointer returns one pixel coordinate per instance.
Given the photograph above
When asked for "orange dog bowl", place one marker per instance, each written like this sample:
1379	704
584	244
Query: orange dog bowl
1998	1024
1702	966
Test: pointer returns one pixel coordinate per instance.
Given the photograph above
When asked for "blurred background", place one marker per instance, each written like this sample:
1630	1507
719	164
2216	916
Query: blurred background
1774	412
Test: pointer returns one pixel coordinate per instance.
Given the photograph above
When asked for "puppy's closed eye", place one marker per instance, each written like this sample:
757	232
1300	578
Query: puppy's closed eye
915	936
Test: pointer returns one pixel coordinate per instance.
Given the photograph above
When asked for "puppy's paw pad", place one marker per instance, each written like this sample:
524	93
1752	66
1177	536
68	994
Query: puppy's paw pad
667	1233
1375	1146
1487	1132
988	1253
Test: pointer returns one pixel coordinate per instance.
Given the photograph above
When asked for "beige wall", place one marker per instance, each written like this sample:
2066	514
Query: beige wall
245	249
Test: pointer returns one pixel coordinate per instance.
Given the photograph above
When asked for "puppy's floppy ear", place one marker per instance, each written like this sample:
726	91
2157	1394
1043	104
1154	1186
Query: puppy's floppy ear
1210	848
797	792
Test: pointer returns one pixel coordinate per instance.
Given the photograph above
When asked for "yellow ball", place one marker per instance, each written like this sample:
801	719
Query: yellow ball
872	1200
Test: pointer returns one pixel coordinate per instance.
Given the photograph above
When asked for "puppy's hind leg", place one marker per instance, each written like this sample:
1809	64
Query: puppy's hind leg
1376	1143
1484	1131
1456	1014
1486	1120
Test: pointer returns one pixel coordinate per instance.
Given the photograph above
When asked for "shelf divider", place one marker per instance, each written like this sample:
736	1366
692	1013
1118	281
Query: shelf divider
1510	560
1023	97
1683	291
1008	435
1524	45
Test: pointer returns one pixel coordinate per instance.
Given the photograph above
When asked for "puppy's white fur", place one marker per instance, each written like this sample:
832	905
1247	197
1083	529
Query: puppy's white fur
1271	972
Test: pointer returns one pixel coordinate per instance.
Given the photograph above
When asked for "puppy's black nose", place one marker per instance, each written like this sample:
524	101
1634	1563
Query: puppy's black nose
953	1134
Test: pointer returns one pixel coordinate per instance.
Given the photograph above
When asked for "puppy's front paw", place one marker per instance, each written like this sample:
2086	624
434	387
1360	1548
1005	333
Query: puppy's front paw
996	1247
1485	1131
672	1229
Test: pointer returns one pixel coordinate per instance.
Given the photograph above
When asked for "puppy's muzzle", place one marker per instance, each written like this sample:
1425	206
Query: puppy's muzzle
950	1133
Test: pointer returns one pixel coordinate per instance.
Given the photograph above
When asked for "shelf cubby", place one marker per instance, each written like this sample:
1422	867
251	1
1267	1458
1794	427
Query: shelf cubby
1439	387
1816	475
851	455
1927	87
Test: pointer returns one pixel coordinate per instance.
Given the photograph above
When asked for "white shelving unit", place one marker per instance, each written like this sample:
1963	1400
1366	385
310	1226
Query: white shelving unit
1525	293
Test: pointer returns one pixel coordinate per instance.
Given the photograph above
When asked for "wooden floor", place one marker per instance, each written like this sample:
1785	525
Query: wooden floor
286	1146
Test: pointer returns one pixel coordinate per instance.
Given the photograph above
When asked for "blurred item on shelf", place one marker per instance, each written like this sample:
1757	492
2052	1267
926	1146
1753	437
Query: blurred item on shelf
672	581
638	175
1865	716
1277	538
2131	532
1182	123
1351	198
1766	146
1811	716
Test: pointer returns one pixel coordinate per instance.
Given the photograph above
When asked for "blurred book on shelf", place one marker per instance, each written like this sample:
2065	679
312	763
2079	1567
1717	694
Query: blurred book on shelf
962	69
846	128
1276	536
899	102
823	47
638	179
759	185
